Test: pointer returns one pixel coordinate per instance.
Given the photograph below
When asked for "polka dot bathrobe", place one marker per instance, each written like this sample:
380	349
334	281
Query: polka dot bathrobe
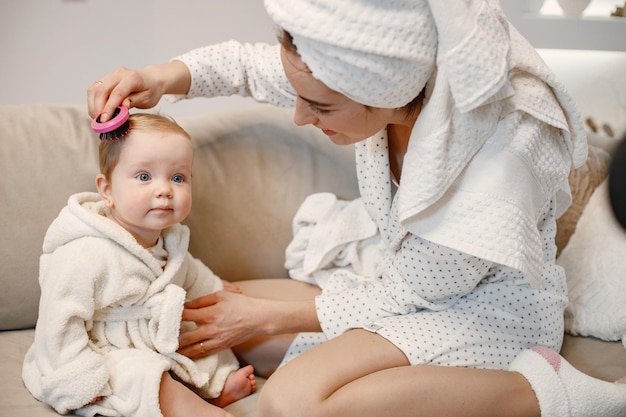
453	262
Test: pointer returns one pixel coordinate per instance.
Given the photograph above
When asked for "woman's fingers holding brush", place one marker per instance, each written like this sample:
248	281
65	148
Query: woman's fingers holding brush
99	98
121	87
132	88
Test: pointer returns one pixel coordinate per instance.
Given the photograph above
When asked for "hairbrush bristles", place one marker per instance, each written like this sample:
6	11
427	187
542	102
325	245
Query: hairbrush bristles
114	129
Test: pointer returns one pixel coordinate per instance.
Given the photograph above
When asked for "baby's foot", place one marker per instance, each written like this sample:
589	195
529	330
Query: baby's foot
239	384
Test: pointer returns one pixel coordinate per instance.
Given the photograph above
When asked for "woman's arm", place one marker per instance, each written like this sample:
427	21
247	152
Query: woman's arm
267	308
224	69
131	88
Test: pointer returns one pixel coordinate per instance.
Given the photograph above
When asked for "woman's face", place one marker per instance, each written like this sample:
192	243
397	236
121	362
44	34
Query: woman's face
343	120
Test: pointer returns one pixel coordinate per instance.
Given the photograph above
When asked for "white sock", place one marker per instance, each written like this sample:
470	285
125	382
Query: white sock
563	391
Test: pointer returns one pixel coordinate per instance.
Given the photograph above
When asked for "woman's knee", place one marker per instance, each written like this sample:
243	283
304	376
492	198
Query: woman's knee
286	395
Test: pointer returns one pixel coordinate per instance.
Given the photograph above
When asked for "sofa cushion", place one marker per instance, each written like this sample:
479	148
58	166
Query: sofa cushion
48	152
16	401
252	169
583	182
595	267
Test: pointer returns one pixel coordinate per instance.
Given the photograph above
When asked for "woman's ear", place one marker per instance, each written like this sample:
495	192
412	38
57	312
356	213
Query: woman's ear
104	189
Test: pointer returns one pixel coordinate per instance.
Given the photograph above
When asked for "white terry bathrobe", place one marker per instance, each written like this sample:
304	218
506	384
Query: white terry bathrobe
110	315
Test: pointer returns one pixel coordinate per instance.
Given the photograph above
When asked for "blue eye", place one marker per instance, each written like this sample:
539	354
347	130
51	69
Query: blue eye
143	176
178	179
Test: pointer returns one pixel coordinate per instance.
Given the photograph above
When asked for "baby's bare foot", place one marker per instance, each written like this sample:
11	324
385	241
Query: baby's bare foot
239	384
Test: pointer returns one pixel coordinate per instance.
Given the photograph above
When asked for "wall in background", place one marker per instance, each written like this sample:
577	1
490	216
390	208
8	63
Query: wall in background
594	76
596	80
54	49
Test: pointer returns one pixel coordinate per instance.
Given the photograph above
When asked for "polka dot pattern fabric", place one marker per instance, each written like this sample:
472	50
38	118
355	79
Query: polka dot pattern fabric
231	68
439	305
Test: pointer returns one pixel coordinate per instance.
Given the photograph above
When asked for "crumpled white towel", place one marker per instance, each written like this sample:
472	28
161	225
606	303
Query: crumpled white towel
331	234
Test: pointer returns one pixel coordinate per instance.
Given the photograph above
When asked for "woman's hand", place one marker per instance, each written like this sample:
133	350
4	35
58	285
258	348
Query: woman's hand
223	319
132	88
231	287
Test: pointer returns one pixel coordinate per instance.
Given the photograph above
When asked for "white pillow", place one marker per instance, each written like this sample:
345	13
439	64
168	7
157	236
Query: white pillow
595	265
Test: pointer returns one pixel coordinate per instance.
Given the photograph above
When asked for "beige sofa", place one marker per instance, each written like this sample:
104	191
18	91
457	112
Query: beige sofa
252	169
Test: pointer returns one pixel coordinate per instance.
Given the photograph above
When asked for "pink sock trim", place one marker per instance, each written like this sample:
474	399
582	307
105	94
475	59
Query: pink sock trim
553	358
621	381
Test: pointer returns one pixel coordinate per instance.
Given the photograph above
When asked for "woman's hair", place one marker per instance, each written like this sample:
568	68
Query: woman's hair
109	150
286	41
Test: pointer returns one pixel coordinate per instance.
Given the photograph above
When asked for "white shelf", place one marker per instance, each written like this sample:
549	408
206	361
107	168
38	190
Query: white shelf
560	32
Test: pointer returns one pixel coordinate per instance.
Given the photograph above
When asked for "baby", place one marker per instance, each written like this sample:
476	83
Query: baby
114	275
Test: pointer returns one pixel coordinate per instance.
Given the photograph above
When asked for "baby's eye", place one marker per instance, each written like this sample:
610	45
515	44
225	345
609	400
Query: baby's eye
178	178
144	176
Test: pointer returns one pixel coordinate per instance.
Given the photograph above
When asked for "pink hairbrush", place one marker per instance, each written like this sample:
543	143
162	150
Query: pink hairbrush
115	128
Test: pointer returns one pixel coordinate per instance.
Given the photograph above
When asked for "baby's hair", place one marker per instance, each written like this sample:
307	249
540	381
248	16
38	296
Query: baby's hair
109	151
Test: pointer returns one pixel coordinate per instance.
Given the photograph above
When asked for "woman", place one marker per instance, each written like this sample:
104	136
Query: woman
464	141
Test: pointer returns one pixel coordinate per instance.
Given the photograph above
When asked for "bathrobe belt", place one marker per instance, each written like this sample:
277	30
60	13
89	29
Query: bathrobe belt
162	312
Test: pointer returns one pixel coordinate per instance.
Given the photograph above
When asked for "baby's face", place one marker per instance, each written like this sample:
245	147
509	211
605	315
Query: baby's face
150	187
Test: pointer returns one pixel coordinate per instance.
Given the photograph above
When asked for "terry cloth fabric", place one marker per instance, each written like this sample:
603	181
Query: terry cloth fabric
330	234
378	53
110	315
563	391
594	264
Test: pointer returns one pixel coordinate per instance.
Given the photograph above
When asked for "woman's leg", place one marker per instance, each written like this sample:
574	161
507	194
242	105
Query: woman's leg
265	353
362	374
